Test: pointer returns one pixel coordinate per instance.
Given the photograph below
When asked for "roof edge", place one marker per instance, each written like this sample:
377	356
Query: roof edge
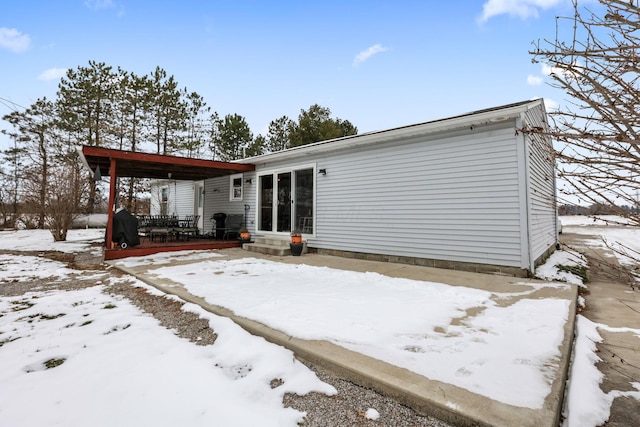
495	114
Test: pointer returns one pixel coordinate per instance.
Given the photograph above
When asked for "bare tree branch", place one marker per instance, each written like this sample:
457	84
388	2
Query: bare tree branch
597	133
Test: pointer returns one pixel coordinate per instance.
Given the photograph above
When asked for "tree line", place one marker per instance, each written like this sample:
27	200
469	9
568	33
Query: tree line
98	105
595	209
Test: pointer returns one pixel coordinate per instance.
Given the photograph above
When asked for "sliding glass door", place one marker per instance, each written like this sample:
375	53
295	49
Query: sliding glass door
293	204
283	208
303	202
265	203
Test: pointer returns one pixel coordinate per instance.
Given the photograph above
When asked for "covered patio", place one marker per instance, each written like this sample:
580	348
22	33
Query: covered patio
104	162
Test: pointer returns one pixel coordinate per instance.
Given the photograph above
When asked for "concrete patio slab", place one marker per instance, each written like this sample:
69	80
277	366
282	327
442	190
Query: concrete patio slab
428	397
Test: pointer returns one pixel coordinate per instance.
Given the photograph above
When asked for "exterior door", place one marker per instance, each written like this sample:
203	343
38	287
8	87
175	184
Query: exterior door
303	206
286	201
265	203
199	204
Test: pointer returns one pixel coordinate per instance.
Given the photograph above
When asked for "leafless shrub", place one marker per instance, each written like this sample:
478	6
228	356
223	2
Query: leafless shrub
64	197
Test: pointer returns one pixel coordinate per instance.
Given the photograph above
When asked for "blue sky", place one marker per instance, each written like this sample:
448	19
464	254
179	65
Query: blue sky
379	64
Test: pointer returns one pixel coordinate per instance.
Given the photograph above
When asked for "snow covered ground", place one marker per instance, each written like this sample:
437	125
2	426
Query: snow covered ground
42	240
586	405
122	343
407	323
609	231
82	357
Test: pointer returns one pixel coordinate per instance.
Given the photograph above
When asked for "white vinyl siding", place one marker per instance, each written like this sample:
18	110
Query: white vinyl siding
452	197
473	188
180	197
216	199
184	199
542	188
157	189
156	196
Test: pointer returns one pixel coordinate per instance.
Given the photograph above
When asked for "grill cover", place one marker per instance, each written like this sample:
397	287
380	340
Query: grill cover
125	228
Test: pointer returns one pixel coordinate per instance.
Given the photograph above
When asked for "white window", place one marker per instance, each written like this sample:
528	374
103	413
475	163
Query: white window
164	200
235	187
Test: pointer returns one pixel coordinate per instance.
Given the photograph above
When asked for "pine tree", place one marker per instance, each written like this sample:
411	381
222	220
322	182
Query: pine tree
279	134
316	124
195	138
233	137
168	110
85	102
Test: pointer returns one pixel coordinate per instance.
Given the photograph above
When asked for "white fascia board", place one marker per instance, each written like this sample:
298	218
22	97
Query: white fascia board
83	159
441	125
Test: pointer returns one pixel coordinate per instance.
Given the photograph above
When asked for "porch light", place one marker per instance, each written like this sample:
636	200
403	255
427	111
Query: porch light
322	171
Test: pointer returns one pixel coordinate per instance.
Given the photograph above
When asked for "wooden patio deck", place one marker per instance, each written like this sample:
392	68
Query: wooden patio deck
147	247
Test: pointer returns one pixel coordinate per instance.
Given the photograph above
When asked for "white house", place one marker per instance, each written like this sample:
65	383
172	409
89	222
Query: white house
473	192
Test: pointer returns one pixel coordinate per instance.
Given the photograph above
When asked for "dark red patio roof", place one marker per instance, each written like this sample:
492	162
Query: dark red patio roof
145	165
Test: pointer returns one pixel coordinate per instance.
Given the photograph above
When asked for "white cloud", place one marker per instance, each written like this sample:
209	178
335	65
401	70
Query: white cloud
99	4
550	104
14	40
368	53
52	74
575	70
534	80
547	70
521	8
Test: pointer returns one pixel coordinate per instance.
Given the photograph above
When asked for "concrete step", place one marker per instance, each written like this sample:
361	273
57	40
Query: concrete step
272	241
277	250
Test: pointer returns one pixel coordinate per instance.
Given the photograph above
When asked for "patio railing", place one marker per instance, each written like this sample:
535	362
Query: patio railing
168	227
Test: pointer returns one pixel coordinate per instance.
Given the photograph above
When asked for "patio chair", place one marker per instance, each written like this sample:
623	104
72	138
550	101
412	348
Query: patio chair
163	227
232	225
144	222
306	225
188	226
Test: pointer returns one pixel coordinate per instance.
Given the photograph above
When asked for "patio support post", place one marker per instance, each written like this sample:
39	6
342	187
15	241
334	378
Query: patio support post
112	198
